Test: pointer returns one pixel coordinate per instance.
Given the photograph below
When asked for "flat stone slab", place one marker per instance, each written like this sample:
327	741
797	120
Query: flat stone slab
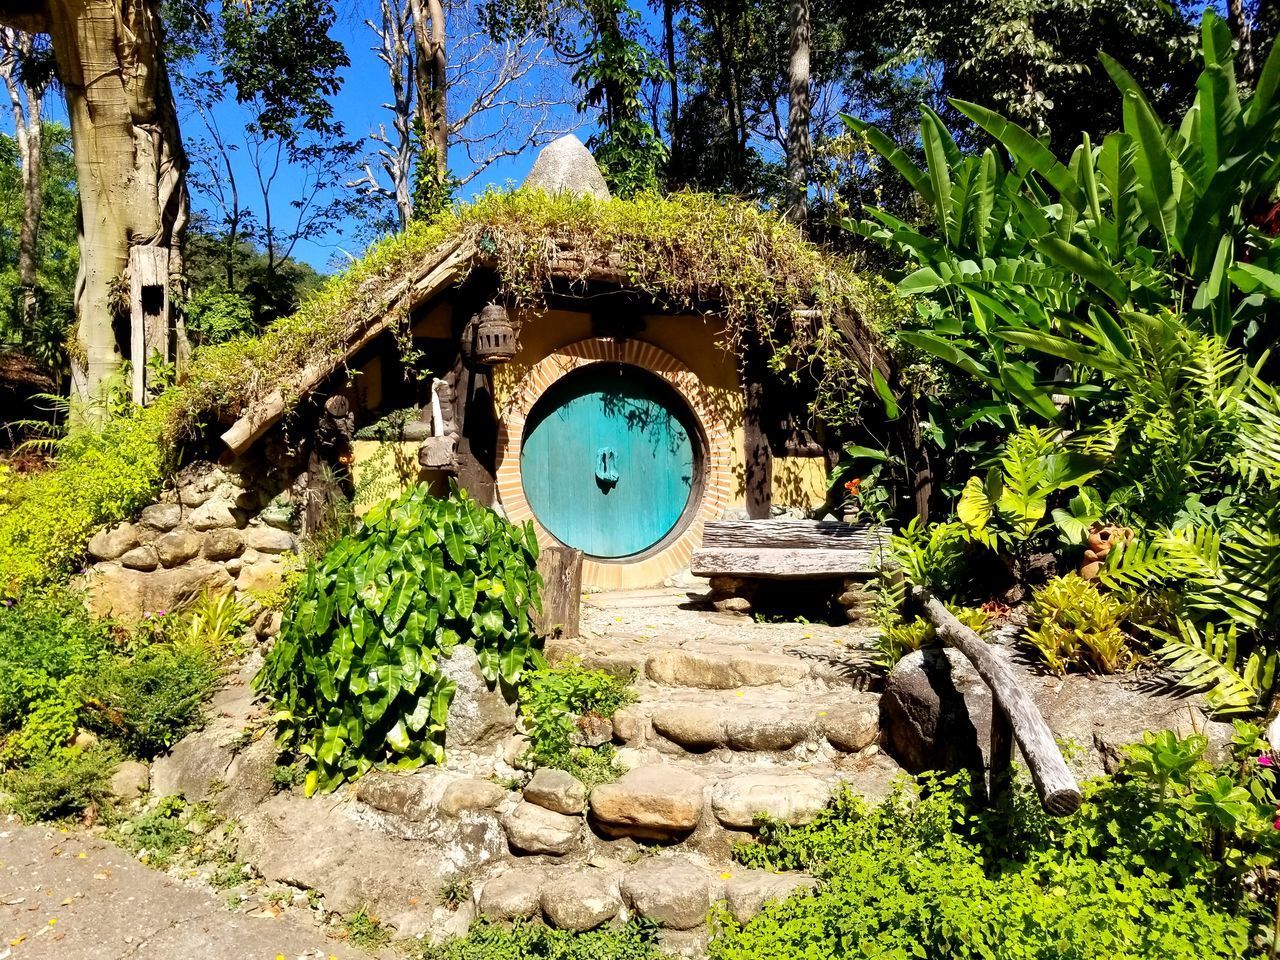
655	801
715	671
791	797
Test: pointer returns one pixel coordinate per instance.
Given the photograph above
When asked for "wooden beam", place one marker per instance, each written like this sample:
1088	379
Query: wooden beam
1059	793
796	534
561	569
783	564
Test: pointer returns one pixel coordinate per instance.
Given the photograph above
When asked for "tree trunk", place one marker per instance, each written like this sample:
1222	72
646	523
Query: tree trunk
130	164
431	72
799	148
27	104
1241	29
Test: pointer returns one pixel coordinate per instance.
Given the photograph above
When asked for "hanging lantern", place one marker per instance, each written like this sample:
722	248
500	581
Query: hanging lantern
495	336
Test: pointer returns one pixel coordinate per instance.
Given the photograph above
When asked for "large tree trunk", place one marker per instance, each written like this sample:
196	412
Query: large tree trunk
431	71
26	104
130	165
799	148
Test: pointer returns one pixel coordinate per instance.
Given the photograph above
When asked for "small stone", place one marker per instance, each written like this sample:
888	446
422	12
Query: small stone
694	728
234	566
532	829
114	542
579	900
653	801
516	895
177	546
470	794
84	739
263	577
130	780
745	894
629	724
557	790
141	558
782	731
794	798
194	495
214	514
671	891
268	623
851	728
278	514
591	730
161	516
269	540
733	605
222	544
856	599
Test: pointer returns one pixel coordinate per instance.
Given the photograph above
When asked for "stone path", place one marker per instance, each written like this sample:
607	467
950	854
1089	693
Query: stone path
68	896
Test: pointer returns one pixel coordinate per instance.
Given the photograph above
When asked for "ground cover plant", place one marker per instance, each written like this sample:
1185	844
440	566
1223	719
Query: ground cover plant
525	938
1169	859
355	675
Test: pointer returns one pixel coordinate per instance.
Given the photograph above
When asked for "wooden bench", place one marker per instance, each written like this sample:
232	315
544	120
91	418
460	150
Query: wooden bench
736	554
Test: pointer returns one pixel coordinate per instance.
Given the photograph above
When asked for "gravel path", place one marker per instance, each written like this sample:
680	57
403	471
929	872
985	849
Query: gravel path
69	896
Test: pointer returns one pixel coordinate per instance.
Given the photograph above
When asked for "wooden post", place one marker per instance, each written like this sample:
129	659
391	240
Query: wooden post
1059	793
477	424
758	465
148	314
1000	770
561	569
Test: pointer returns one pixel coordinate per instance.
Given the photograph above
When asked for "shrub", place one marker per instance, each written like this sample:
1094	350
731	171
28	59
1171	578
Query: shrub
60	783
150	700
552	702
1072	623
355	673
524	938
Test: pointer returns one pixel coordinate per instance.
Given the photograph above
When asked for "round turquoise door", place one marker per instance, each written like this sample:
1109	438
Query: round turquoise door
609	460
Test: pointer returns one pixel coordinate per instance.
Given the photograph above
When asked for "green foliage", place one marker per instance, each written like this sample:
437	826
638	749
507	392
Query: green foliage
366	930
216	314
215	622
60	783
1234	681
525	938
553	700
151	699
1074	624
928	873
161	833
899	637
355	673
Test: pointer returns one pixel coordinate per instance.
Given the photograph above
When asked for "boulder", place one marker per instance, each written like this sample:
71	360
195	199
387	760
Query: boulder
115	591
269	540
693	727
580	899
515	895
114	542
249	778
142	558
130	780
690	668
196	767
670	891
851	727
557	790
470	794
534	829
222	544
412	796
566	166
653	801
629	724
264	576
177	546
790	797
746	893
161	516
781	731
214	514
480	714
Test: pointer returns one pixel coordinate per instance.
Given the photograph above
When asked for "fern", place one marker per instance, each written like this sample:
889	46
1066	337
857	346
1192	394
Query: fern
1209	662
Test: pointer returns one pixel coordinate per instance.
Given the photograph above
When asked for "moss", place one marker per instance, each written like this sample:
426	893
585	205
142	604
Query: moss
689	249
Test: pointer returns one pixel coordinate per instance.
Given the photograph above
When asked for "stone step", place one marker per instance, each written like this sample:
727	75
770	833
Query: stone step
673	720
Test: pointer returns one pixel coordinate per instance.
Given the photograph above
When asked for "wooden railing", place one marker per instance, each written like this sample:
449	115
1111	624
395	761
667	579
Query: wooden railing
1014	718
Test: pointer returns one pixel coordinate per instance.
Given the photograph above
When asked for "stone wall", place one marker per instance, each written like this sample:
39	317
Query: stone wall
215	530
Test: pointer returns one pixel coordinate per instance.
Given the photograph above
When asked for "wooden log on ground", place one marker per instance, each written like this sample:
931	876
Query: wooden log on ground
1059	793
561	569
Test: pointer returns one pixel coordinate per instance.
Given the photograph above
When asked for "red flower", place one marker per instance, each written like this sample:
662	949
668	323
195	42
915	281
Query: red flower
853	485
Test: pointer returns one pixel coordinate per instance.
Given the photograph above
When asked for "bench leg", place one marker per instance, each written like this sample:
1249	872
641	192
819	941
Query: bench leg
856	600
732	594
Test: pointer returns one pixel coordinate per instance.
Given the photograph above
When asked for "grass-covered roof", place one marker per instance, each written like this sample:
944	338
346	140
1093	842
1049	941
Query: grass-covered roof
693	252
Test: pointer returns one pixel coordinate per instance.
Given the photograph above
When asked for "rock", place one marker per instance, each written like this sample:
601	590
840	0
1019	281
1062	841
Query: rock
790	797
566	166
746	893
556	790
739	605
693	727
268	623
924	715
629	724
249	778
653	801
161	516
414	796
234	565
262	577
687	668
471	794
114	542
591	730
533	829
670	891
177	546
141	558
579	899
851	728
278	513
782	731
269	540
128	595
222	544
196	767
684	944
84	740
214	514
130	780
479	715
515	895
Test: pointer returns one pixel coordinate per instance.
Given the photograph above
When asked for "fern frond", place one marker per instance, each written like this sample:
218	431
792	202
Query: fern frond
1208	662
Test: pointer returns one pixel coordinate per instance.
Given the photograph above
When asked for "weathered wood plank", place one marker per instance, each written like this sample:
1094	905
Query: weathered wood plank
783	564
561	569
1059	793
793	534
